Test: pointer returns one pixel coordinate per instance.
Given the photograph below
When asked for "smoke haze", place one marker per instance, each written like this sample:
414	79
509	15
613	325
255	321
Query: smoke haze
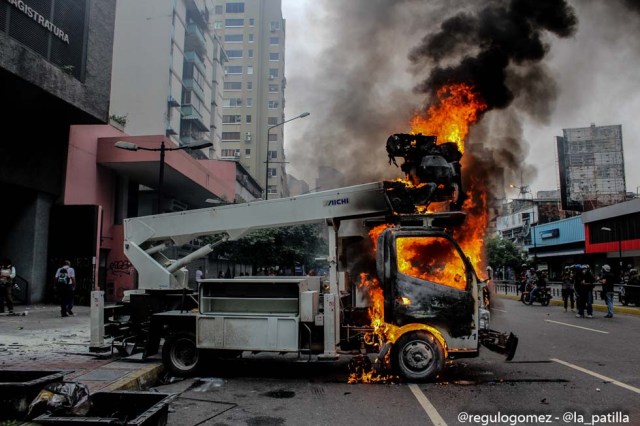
367	66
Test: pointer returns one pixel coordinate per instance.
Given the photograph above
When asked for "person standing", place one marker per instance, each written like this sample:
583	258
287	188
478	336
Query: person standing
607	280
66	282
199	274
567	290
584	283
7	274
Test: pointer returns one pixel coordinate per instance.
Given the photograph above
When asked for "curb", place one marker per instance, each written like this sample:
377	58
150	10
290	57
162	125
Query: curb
596	307
138	380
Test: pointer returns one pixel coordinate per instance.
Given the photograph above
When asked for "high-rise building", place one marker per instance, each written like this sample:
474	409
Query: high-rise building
167	66
591	163
253	33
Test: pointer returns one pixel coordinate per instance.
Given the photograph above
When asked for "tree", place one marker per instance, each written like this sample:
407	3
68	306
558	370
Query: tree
504	253
284	247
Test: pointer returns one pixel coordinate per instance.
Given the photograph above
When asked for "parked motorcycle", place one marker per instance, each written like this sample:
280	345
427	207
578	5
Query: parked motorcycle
543	296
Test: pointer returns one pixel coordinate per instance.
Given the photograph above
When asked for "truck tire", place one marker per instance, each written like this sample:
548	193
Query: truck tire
418	356
180	355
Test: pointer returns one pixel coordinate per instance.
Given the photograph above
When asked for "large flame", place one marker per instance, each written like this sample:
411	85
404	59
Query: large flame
457	108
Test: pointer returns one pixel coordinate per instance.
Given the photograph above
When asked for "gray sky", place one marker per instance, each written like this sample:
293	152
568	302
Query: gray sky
346	63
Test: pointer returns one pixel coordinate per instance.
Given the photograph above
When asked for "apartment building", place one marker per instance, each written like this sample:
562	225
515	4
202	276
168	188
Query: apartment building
591	162
253	35
167	66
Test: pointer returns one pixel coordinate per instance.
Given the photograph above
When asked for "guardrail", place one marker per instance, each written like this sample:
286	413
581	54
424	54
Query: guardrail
512	287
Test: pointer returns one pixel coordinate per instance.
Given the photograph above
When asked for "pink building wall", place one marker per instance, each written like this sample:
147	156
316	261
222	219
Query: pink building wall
88	182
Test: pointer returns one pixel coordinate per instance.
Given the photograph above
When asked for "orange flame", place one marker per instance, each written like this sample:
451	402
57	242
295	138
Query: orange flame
456	109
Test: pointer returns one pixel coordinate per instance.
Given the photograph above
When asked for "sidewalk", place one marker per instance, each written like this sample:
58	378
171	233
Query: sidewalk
43	340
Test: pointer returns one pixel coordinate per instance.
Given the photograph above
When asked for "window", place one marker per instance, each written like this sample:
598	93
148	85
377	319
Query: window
231	54
273	155
247	153
248	119
274	88
252	22
250	70
217	25
272	189
250	53
234	38
233	85
273	137
274	41
275	26
233	69
272	172
235	8
231	102
274	56
273	104
249	85
250	37
231	119
230	136
249	102
431	259
230	153
218	10
233	23
272	121
273	73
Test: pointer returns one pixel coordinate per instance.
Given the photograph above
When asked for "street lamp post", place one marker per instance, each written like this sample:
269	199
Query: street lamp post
266	175
523	191
129	146
619	237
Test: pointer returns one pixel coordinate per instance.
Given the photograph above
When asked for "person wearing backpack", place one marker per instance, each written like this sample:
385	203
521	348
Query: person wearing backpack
65	283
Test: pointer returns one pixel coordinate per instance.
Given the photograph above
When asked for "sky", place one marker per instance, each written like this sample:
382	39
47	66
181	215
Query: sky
347	64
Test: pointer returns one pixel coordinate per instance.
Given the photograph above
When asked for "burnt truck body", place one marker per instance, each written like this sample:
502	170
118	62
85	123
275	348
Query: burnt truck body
423	302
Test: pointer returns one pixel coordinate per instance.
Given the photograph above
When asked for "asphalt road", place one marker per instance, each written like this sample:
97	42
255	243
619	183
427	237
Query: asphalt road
566	371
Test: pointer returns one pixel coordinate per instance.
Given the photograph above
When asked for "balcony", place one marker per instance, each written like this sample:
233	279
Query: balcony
189	113
195	39
191	84
193	58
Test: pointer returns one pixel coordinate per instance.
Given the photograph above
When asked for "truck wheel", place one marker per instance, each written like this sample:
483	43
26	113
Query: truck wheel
418	356
180	355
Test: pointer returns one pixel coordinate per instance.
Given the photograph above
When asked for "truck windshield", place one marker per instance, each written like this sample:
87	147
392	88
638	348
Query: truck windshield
433	259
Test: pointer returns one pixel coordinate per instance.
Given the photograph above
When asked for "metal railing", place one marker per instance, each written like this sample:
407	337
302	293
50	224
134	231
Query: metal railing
512	287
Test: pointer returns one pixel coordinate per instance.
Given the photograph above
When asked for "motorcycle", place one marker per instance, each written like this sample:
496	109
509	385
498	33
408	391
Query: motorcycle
543	296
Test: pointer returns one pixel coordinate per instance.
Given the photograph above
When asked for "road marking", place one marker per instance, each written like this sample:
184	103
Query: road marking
577	326
427	406
499	310
597	375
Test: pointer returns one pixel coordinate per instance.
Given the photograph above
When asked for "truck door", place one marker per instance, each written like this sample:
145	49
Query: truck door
426	279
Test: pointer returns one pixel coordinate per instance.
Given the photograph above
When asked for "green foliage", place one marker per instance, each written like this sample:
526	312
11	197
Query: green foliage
282	247
120	119
503	252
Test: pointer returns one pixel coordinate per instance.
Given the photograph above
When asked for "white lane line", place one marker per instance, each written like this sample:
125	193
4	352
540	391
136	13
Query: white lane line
499	310
577	326
599	376
427	406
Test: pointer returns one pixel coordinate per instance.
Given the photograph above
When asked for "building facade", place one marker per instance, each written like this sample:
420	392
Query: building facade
55	71
253	35
591	162
167	67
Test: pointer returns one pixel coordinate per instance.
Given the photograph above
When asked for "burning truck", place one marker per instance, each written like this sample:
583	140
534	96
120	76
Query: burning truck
418	303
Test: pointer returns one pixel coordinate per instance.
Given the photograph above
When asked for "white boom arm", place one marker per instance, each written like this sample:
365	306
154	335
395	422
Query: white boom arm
143	235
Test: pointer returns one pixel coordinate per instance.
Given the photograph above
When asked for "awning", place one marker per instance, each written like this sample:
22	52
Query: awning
559	253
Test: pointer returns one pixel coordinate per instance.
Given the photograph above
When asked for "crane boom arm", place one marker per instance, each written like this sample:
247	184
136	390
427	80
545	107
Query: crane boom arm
144	234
